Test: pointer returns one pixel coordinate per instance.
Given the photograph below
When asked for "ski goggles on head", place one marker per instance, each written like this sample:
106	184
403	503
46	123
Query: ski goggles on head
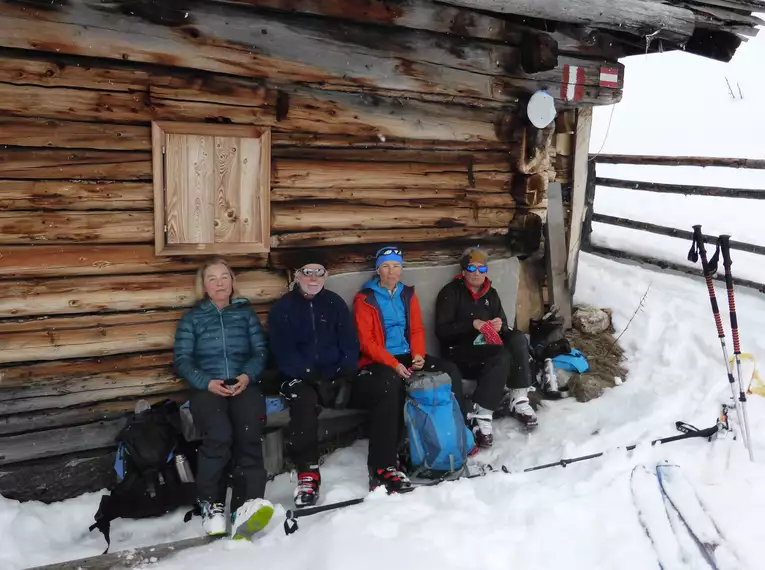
390	251
318	272
472	269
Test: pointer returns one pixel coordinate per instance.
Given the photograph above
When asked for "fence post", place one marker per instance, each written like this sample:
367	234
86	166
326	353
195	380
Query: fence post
589	205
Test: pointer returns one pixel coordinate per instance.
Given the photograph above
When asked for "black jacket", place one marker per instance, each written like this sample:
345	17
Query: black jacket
313	336
457	308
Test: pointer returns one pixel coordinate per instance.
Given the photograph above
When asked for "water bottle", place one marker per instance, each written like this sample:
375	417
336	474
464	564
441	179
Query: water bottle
184	469
141	406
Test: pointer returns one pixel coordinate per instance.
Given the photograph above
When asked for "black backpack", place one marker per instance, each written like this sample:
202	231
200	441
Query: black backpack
148	484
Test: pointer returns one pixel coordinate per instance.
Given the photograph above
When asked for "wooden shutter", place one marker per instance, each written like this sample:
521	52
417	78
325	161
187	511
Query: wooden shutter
211	188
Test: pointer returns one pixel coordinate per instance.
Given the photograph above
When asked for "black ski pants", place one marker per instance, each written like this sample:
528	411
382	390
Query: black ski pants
381	391
232	429
494	367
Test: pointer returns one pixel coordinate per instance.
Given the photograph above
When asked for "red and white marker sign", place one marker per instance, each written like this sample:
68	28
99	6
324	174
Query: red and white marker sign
572	86
609	77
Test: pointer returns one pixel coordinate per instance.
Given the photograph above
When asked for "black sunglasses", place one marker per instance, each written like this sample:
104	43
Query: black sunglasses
473	269
320	272
389	251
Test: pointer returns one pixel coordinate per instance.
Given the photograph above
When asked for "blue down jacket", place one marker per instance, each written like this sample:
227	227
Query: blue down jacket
215	345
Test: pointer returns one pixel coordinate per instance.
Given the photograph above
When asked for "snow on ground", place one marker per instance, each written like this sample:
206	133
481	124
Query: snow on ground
578	517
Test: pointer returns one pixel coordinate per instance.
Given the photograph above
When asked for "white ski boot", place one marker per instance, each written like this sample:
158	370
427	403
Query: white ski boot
481	425
252	517
521	409
213	518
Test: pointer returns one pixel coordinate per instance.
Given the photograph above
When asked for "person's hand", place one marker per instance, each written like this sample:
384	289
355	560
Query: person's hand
242	382
219	388
418	362
478	323
403	371
496	324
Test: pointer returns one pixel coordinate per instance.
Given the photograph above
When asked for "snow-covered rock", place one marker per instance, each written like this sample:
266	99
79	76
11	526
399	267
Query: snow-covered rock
591	320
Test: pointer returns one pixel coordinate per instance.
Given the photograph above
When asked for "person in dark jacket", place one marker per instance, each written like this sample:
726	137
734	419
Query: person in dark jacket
221	351
392	338
473	331
316	349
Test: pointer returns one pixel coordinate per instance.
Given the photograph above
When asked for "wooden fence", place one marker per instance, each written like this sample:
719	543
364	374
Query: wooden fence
593	181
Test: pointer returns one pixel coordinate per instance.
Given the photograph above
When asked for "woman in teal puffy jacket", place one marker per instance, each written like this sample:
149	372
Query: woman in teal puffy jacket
221	351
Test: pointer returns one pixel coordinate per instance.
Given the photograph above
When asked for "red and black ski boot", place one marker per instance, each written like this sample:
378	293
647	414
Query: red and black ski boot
307	490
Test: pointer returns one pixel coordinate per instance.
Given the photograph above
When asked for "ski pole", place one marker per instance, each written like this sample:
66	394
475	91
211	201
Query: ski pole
688	432
709	269
724	244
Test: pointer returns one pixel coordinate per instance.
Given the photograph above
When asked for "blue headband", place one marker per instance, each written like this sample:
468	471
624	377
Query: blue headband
389	253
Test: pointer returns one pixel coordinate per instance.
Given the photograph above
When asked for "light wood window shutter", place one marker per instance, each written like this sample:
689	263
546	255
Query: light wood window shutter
212	187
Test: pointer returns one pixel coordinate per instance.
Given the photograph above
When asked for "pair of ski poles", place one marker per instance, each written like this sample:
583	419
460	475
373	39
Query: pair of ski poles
709	268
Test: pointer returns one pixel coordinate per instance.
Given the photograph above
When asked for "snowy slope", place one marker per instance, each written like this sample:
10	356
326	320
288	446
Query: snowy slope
578	517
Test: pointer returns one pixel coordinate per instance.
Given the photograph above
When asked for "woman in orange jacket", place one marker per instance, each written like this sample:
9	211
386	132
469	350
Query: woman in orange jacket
392	339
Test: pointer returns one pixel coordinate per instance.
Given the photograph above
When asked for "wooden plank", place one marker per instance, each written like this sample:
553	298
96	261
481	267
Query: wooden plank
688	190
673	232
336	56
34	376
30	261
589	206
283	140
633	16
68	227
125	293
680	161
499	160
290	216
529	304
189	174
74	195
555	254
73	134
74	164
414	235
50	443
578	191
366	195
289	173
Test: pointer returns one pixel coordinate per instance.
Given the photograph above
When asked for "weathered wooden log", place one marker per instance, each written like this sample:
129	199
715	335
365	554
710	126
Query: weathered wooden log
634	16
38	164
90	336
499	160
290	216
366	195
434	236
534	154
75	195
530	189
58	478
50	443
68	227
688	190
306	141
50	373
82	391
679	160
73	134
92	412
322	174
125	293
79	260
215	35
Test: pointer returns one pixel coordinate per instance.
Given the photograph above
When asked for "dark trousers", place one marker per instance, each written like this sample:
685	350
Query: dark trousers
495	366
303	429
231	428
381	391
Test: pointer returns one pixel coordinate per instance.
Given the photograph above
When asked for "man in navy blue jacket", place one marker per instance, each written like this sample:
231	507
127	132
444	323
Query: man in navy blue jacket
314	340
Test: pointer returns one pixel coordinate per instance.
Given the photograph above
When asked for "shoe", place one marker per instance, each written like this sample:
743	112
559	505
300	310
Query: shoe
391	478
481	425
307	490
252	517
213	518
521	409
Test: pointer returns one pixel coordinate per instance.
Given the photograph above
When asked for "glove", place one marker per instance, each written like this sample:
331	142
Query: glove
342	384
290	389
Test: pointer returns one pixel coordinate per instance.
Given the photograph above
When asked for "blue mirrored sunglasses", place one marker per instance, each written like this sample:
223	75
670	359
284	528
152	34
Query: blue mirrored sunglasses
390	251
320	272
473	269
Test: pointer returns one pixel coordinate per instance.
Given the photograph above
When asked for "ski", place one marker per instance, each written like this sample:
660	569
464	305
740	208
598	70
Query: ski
702	527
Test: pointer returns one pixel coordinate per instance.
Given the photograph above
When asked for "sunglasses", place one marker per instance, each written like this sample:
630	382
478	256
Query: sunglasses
473	269
390	251
320	272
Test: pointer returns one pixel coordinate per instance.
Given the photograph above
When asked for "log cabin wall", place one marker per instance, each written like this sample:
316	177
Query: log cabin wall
399	122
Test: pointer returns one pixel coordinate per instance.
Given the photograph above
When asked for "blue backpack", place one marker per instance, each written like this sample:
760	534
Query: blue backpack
439	441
